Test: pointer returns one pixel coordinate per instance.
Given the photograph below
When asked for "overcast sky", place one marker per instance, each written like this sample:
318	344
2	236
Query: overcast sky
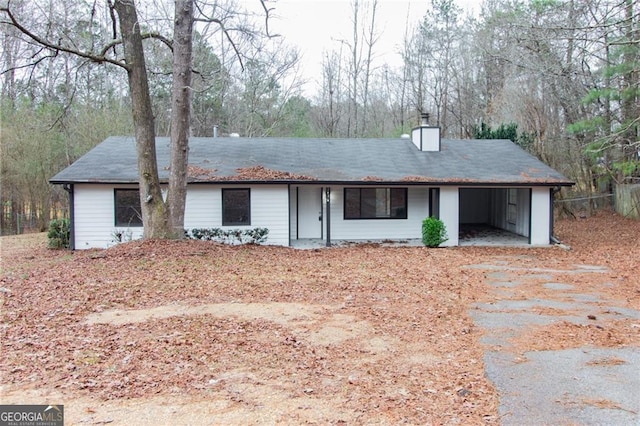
316	26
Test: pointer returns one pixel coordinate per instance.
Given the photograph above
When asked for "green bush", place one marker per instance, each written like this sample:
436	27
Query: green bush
207	234
434	232
257	235
59	233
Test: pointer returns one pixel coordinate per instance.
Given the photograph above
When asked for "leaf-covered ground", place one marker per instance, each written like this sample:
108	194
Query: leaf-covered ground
259	334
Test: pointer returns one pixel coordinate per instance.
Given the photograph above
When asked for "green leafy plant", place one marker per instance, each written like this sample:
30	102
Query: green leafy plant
207	234
59	233
434	232
257	235
627	168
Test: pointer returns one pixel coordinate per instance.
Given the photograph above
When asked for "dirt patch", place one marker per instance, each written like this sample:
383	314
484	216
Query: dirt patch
280	313
250	405
320	325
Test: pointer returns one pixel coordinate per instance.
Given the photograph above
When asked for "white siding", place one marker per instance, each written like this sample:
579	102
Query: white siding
203	208
500	210
94	212
94	216
269	209
426	138
523	212
540	216
449	208
417	211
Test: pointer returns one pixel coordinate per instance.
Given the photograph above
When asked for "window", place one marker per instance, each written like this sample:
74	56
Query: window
375	203
127	204
236	207
434	202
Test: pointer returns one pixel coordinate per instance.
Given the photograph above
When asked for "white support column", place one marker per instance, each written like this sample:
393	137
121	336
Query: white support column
540	216
449	213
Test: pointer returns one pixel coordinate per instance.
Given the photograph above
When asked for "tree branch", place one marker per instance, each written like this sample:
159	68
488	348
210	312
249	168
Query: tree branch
53	46
30	65
225	31
267	12
145	36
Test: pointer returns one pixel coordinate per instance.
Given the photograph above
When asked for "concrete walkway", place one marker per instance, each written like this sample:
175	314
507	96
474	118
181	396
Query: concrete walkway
585	385
479	236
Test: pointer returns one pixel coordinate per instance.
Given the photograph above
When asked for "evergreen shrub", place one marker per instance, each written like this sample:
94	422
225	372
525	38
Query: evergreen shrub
59	233
434	232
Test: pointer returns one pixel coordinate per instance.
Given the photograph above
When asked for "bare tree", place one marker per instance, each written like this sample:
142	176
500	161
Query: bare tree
181	113
329	111
355	65
258	97
430	56
154	212
371	40
161	220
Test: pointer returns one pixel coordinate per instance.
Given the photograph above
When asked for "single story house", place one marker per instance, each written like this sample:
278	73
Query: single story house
323	189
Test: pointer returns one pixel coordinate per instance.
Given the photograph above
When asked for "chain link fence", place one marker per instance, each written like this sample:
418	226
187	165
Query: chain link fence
18	223
582	205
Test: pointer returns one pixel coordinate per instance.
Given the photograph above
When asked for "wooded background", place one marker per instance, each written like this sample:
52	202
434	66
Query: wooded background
559	77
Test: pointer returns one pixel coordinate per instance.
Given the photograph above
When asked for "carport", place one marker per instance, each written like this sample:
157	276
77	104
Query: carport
500	216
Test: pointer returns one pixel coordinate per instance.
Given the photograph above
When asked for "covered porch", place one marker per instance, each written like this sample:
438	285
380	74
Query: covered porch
480	236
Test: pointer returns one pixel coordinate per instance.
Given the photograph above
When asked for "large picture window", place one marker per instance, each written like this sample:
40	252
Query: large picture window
375	203
236	207
127	206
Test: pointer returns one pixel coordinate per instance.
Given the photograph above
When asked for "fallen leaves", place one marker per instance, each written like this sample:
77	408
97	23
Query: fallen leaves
371	316
356	334
260	173
564	335
256	173
197	173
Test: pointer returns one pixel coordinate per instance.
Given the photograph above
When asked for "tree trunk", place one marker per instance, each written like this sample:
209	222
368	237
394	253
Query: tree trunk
630	82
180	113
367	77
154	214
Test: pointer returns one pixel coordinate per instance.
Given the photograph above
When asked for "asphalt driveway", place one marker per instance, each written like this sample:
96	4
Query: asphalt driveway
585	384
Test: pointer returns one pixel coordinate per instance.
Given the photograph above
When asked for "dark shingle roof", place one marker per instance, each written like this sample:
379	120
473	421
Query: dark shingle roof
322	160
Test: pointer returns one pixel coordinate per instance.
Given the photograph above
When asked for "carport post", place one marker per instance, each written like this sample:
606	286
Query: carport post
327	196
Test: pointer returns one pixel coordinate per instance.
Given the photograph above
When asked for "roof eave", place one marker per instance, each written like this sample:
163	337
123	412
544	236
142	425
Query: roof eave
93	181
332	182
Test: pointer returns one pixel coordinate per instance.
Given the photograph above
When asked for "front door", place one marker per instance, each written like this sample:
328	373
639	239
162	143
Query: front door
309	212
